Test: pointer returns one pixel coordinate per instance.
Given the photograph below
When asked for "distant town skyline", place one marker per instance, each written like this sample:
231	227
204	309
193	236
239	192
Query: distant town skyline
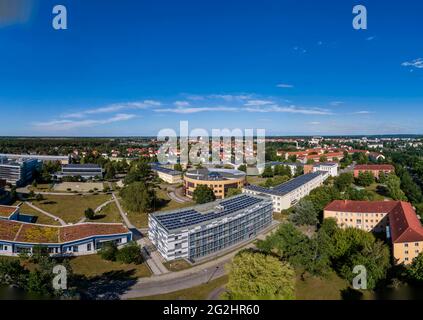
132	68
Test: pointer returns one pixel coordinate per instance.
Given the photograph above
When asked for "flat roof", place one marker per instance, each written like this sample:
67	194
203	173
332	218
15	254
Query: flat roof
190	217
23	232
81	166
285	187
215	174
7	211
33	156
166	170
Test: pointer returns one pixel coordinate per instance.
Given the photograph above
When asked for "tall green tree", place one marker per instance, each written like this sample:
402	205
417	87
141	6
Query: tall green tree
203	194
255	276
138	197
393	184
304	213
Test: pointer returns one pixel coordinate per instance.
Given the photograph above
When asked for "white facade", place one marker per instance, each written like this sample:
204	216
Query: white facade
169	178
332	168
286	200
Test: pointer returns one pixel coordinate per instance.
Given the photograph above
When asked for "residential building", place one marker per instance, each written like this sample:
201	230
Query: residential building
331	167
293	166
167	175
289	193
398	219
198	232
220	180
18	172
43	158
78	239
85	171
375	169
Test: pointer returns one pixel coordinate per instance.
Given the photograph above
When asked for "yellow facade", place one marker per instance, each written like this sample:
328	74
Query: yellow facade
220	187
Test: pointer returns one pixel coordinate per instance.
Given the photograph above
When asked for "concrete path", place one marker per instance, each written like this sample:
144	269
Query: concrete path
63	223
122	213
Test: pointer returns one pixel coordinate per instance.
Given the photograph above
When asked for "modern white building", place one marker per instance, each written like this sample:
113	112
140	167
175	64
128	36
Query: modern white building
293	166
18	172
43	158
331	167
194	233
85	171
289	193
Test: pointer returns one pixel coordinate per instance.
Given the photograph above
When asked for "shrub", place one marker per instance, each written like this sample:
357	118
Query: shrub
108	251
131	253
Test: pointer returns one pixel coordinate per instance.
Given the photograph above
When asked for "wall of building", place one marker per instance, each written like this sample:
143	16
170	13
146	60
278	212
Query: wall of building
406	252
220	187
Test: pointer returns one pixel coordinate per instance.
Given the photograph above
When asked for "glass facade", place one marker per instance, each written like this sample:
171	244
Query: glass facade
210	240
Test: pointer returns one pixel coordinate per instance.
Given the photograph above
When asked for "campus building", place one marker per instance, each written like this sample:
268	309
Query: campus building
293	166
289	193
398	219
43	158
220	180
167	175
375	169
194	233
18	172
78	239
331	167
86	171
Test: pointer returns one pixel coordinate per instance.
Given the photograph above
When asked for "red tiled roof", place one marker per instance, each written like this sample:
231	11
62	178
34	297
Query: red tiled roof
361	206
379	167
405	226
6	211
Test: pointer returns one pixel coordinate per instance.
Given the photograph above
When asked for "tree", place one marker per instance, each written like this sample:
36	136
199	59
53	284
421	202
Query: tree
203	194
393	184
415	270
254	275
304	214
233	192
243	168
139	172
268	172
138	197
39	197
365	179
323	159
110	171
343	181
108	251
130	253
13	273
89	214
177	167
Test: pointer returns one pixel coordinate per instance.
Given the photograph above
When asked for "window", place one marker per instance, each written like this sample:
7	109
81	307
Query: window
89	247
406	252
416	244
75	248
406	245
406	259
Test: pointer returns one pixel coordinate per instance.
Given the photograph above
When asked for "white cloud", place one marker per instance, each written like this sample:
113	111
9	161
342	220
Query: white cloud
258	103
290	109
197	110
314	123
115	108
336	103
370	38
284	85
66	124
230	97
417	63
363	112
182	103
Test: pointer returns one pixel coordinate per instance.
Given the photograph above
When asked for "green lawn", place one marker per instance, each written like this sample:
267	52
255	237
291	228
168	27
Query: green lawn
70	208
177	265
140	219
94	265
314	288
41	187
109	214
41	218
256	180
378	191
200	292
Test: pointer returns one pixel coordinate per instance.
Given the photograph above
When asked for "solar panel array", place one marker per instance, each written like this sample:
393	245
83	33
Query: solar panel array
176	220
286	187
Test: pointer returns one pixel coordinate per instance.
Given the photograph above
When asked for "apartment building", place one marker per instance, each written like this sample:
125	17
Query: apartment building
398	219
289	193
375	169
197	232
167	175
331	167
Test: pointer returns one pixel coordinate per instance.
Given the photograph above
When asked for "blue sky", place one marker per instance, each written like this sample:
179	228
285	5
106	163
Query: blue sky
134	67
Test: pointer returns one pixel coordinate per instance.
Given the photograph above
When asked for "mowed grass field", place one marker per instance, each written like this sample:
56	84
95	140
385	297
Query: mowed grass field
94	266
109	214
70	208
41	218
140	219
